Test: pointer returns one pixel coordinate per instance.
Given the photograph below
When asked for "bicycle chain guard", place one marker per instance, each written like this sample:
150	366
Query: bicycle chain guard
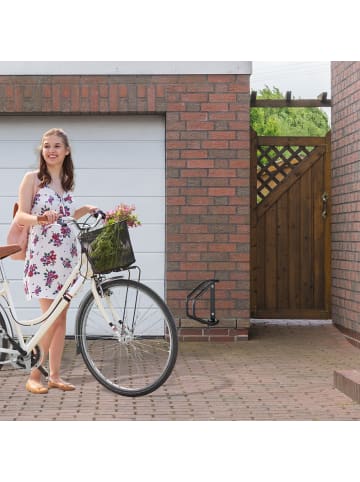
29	361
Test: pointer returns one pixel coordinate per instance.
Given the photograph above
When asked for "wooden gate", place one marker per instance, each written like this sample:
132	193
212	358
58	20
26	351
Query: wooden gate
290	227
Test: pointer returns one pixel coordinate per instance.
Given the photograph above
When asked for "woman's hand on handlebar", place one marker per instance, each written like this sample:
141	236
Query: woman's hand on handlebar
83	210
48	217
92	209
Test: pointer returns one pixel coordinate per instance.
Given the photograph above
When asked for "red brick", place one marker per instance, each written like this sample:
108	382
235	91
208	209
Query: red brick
104	90
222	135
199	163
194	116
75	98
219	107
65	91
222	173
56	98
219	144
140	90
84	91
199	125
122	90
176	106
221	191
151	98
222	98
46	90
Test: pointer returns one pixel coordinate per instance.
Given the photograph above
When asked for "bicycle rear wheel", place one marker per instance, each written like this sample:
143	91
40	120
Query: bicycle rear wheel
134	354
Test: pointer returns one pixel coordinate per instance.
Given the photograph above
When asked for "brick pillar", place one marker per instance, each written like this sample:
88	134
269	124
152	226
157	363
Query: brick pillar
207	136
345	87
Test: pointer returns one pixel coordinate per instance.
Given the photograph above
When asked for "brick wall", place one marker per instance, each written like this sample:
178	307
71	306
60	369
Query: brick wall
346	196
207	170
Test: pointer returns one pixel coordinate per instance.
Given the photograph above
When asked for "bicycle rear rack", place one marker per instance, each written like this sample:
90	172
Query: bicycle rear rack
194	296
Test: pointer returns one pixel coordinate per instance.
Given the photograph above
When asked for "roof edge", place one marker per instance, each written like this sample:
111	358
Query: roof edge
123	67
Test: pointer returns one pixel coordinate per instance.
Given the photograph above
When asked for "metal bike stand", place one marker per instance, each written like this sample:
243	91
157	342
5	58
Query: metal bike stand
195	295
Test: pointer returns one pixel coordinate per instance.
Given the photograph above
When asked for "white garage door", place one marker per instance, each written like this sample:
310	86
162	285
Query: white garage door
117	159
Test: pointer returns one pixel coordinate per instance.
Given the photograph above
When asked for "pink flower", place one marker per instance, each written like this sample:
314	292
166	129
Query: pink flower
123	212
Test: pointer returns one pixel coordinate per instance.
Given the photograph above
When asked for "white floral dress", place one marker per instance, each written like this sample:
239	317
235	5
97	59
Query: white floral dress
52	250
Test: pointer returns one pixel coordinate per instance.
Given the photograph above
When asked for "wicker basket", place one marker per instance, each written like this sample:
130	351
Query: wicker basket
108	248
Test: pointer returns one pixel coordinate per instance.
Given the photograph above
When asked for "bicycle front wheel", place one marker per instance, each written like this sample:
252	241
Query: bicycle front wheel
132	350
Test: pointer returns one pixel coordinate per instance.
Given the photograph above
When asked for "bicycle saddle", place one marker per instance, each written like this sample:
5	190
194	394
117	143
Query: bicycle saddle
8	250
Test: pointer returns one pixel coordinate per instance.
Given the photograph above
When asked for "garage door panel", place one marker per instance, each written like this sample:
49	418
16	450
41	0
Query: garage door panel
10	180
13	268
19	155
99	128
151	264
119	154
111	182
6	209
147	238
132	128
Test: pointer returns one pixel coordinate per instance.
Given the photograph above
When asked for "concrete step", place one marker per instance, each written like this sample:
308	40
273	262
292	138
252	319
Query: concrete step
348	382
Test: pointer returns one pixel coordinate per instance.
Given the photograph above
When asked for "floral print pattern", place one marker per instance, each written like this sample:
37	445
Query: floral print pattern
52	250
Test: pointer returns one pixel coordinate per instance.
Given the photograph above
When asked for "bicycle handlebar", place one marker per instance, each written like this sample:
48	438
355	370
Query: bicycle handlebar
63	221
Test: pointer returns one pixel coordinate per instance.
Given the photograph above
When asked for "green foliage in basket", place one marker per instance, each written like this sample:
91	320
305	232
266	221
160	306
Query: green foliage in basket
112	249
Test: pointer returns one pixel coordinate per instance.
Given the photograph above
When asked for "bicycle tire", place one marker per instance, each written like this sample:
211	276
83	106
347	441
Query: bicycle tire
4	342
139	356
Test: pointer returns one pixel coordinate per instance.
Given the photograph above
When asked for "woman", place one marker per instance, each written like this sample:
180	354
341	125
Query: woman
52	249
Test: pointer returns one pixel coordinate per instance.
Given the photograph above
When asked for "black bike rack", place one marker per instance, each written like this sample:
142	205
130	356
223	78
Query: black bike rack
195	295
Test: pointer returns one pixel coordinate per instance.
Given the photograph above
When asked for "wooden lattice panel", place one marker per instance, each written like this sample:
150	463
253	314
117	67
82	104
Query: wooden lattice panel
275	163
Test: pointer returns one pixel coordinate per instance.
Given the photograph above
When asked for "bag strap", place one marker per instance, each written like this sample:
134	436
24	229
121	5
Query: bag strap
35	184
35	190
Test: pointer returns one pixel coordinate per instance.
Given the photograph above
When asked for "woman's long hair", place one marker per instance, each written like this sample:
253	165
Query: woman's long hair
67	173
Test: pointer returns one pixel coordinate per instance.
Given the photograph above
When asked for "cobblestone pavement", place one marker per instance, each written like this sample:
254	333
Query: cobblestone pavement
283	372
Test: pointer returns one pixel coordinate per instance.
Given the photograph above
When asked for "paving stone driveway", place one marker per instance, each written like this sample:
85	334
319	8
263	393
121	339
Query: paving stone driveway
283	372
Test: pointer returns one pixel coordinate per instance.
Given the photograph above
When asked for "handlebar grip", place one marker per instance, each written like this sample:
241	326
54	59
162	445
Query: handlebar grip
42	219
100	213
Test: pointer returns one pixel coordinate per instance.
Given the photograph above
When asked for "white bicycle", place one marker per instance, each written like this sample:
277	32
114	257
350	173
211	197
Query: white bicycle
124	331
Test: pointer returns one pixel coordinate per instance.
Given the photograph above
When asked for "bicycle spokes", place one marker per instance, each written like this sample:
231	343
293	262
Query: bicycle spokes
138	356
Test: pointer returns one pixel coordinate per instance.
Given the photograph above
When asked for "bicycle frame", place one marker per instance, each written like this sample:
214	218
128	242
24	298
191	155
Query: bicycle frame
70	289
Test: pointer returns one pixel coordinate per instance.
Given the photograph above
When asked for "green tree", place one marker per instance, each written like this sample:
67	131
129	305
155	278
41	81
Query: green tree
287	121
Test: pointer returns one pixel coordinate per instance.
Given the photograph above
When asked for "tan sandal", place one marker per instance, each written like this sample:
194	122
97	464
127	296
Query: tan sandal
36	387
65	387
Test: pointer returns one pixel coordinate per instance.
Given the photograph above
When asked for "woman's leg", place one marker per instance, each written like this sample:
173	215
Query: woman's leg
52	344
56	346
